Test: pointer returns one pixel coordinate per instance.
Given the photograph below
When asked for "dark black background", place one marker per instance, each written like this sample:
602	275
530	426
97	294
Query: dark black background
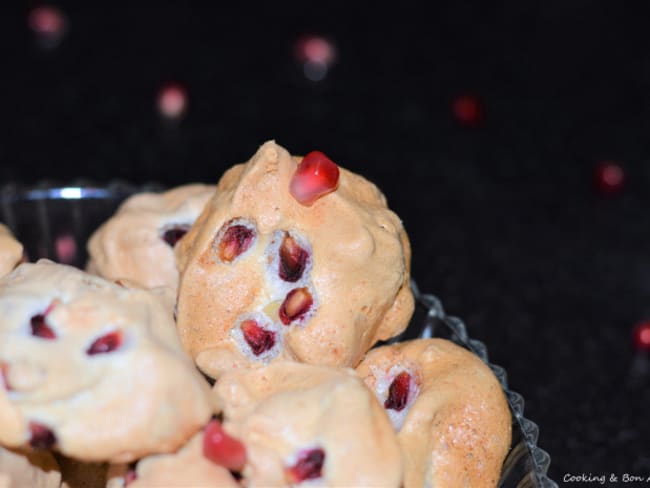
505	224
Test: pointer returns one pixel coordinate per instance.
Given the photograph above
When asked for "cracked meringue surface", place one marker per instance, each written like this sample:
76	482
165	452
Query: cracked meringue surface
92	369
307	423
331	278
454	423
137	242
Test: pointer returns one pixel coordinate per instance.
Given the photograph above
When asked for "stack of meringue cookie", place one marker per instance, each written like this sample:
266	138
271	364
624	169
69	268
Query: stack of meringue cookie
228	336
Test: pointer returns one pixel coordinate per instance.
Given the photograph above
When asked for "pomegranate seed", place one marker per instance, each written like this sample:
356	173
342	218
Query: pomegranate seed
235	241
51	306
609	178
641	337
293	259
106	343
468	110
256	337
41	437
222	449
4	376
398	392
316	176
296	304
174	234
130	476
40	328
308	467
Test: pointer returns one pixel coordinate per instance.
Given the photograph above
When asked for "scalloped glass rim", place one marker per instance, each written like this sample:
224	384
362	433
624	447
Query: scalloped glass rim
524	452
526	464
72	190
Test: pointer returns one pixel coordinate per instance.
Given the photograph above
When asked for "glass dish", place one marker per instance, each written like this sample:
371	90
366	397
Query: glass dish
54	221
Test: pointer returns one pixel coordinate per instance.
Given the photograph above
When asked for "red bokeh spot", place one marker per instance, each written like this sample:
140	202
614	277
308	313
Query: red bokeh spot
315	49
66	248
609	178
468	110
172	100
46	20
641	336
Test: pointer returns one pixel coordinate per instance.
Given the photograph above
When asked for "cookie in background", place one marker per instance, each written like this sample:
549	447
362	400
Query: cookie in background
11	251
137	242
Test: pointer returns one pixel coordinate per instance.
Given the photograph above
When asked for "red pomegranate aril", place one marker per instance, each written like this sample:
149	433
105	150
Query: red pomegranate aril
41	437
235	241
130	476
296	304
258	338
50	307
293	259
106	343
316	176
174	234
641	336
40	328
308	467
222	449
4	376
398	392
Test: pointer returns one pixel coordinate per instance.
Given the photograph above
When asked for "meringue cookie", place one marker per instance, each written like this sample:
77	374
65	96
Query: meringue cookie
264	276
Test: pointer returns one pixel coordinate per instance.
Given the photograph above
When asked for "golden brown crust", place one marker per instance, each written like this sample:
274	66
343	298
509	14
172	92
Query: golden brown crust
460	403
